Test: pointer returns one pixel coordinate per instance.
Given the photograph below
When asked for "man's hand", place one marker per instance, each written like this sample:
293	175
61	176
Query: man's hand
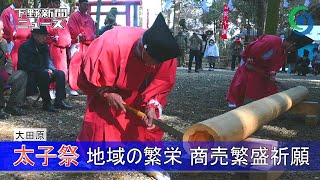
103	90
249	66
50	72
82	38
115	100
151	115
273	79
272	76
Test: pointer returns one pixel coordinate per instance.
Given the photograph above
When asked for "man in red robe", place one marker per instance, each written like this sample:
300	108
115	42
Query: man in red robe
82	31
127	65
254	78
132	66
14	35
58	39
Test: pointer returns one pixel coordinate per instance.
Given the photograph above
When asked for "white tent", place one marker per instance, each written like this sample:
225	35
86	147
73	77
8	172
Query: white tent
314	34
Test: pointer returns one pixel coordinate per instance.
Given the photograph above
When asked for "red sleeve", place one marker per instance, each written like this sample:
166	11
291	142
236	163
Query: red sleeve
162	83
8	29
100	67
72	25
257	49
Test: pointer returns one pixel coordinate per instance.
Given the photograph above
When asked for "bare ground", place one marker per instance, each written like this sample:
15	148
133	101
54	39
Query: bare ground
196	97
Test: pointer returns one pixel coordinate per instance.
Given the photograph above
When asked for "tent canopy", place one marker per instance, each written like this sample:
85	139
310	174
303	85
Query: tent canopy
314	34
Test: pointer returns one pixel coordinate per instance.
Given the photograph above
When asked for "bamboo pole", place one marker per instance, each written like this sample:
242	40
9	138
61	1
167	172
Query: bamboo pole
240	123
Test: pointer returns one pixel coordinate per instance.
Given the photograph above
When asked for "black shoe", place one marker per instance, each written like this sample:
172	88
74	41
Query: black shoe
197	71
26	107
49	108
15	111
4	115
62	105
189	71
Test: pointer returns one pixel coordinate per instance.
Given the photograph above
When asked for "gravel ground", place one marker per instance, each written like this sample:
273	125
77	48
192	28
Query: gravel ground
196	97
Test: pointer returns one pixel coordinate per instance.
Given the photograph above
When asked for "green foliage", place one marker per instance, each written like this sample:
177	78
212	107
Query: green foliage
8	2
4	4
272	17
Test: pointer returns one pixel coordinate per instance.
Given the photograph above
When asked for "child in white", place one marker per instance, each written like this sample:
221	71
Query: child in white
212	54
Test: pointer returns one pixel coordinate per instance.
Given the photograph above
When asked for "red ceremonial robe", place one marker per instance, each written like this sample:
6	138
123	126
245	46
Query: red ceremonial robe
12	32
58	47
268	55
79	24
111	61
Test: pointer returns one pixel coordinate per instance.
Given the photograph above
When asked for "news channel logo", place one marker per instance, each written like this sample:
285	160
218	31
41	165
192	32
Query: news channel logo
302	18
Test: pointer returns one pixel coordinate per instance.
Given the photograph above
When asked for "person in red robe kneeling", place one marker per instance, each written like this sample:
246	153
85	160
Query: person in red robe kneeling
132	66
255	77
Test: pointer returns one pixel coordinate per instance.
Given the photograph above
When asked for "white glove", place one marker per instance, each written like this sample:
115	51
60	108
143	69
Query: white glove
74	48
10	46
81	37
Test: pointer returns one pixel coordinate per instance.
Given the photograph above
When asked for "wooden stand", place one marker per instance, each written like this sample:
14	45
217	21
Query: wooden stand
307	108
310	109
311	120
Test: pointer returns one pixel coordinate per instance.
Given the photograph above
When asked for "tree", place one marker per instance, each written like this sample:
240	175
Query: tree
72	5
272	17
35	3
44	3
191	11
4	4
215	15
261	7
315	12
176	16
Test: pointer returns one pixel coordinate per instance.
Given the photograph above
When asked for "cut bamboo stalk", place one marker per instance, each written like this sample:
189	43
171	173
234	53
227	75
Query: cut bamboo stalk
240	123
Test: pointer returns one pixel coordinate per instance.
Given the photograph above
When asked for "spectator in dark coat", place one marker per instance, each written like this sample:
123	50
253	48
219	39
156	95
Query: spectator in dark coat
110	21
302	65
34	58
236	51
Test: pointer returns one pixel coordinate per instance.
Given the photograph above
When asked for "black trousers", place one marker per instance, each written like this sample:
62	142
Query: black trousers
43	81
200	59
302	69
233	63
196	54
